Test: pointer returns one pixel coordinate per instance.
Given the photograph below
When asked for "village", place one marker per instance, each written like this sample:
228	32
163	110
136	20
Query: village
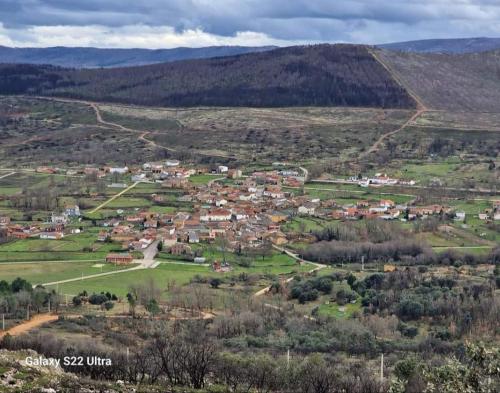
236	212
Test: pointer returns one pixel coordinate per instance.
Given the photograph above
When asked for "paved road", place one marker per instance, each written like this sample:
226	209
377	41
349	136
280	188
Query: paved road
149	255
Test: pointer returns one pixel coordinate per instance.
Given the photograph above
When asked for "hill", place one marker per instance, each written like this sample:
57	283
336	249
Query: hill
98	57
457	45
460	82
320	75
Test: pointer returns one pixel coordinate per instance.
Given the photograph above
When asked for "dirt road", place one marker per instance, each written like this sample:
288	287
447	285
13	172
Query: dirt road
319	266
421	107
34	322
114	197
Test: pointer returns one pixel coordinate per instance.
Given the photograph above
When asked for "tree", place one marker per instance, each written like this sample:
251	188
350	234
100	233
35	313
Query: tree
108	305
215	282
153	307
20	284
77	301
132	302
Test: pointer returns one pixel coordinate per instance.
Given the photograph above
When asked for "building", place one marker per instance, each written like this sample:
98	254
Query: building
234	173
120	171
51	235
119	259
73	211
172	163
180	249
216	215
307	208
59	218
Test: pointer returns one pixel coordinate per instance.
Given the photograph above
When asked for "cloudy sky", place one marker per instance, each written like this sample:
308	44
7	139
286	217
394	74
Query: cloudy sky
195	23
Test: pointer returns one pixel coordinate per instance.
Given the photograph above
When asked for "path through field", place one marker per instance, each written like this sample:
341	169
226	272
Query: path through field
114	197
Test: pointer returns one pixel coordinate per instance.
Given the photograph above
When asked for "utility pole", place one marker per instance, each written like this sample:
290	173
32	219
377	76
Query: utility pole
362	263
288	358
381	369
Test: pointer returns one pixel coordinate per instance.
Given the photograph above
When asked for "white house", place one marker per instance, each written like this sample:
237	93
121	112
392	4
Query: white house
216	215
307	209
51	235
59	218
120	171
172	163
73	211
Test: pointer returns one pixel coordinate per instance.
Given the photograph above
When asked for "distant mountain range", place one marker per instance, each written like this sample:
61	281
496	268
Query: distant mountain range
109	58
458	45
97	57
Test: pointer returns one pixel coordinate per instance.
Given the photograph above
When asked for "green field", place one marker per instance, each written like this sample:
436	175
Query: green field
38	273
203	179
81	246
120	283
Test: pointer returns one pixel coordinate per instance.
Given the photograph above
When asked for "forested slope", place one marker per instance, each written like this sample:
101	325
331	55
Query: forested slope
321	75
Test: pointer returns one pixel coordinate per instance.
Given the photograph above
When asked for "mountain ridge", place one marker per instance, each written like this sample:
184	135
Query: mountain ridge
447	45
90	57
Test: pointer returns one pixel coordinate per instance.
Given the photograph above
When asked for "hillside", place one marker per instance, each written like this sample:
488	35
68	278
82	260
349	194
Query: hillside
457	45
321	75
466	82
99	57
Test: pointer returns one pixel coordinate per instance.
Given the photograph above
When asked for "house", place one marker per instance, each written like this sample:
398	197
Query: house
180	249
117	185
222	169
59	218
51	235
216	215
172	163
150	224
120	171
234	173
4	221
119	258
277	217
73	211
102	236
139	177
273	192
459	216
483	216
307	208
386	203
220	202
193	237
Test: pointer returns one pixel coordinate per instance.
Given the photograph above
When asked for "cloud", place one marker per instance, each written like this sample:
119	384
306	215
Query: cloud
169	23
